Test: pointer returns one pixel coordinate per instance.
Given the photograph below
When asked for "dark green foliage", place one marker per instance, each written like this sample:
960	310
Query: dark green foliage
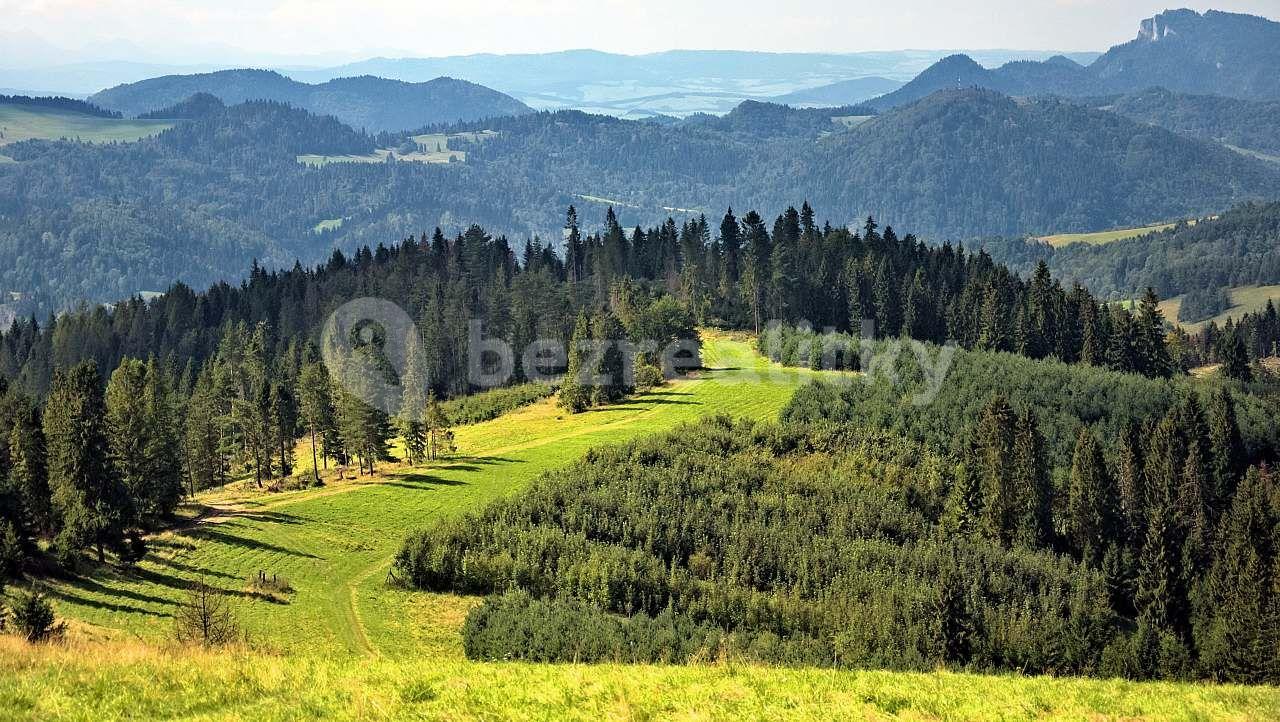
32	616
486	405
1236	248
1201	303
794	546
233	188
91	506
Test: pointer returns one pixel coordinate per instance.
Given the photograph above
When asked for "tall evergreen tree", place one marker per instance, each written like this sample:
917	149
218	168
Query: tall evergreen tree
90	504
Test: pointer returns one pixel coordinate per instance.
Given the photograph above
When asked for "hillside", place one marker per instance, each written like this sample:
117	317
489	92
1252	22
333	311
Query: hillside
1246	125
844	92
367	102
972	162
1217	53
344	636
27	121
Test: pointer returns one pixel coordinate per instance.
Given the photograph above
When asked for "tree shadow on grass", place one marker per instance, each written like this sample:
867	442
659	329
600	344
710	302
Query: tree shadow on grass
217	535
88	584
65	596
424	480
270	517
192	570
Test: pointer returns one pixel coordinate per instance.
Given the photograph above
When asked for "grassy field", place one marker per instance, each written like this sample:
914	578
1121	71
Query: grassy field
132	681
1102	237
348	646
24	123
1244	299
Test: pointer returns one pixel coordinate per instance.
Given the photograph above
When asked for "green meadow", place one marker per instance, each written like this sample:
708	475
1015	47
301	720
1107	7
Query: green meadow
19	123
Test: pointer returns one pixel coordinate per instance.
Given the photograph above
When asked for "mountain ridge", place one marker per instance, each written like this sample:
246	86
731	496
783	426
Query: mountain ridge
368	102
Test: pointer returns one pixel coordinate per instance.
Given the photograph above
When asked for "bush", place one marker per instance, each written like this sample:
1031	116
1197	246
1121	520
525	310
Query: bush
649	376
491	404
33	617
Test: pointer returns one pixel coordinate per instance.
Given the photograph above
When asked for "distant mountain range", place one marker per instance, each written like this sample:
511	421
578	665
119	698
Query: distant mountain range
677	83
1217	53
372	104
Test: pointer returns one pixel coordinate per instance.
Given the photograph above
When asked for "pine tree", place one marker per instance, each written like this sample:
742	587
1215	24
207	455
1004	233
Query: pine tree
27	470
1032	489
993	334
1234	356
1227	455
1131	481
316	404
995	440
162	449
1152	353
90	504
415	391
126	430
575	395
611	369
1092	513
436	423
883	288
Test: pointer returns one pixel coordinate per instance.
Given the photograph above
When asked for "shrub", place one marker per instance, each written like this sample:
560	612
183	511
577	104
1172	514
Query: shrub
33	617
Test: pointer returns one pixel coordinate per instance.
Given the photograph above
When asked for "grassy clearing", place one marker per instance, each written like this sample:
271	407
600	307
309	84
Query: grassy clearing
85	683
19	123
434	148
1244	299
329	224
851	121
1103	237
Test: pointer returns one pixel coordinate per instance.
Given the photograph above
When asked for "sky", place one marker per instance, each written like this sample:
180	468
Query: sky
39	32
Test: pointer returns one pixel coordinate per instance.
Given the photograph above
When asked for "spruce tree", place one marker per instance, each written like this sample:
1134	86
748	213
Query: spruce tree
575	394
1032	489
1227	455
1092	513
90	504
439	437
994	445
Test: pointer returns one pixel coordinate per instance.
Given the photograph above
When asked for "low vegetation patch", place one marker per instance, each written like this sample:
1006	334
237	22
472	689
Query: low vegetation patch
487	405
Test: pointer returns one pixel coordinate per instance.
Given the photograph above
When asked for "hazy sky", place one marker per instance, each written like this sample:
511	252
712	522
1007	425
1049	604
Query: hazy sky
230	30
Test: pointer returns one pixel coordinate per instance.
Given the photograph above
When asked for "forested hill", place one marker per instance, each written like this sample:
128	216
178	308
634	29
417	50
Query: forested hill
1248	125
1239	248
102	222
1216	53
974	162
374	104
